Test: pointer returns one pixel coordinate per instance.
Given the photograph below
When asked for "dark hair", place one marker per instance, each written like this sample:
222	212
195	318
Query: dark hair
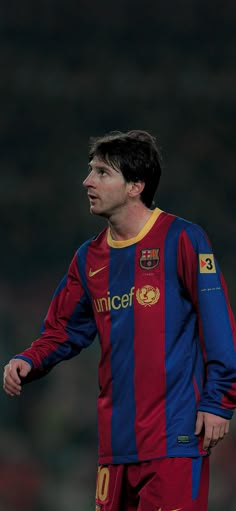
135	154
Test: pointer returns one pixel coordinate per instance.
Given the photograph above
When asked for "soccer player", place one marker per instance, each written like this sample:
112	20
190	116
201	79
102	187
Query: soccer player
150	287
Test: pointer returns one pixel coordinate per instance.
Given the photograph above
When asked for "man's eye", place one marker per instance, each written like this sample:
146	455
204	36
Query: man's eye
102	172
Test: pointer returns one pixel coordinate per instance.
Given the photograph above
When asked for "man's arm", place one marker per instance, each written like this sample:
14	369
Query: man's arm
206	287
68	328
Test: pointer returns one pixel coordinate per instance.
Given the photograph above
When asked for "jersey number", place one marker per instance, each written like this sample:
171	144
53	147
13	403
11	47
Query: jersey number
209	265
102	483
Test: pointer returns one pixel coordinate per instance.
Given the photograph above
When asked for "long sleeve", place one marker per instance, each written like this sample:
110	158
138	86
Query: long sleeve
68	327
205	285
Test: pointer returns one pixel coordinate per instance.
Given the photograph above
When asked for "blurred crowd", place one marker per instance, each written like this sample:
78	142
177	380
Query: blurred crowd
69	71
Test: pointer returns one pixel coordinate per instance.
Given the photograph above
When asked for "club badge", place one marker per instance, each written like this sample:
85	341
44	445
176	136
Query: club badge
149	258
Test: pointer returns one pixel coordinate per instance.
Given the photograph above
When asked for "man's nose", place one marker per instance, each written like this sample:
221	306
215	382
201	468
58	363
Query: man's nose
89	180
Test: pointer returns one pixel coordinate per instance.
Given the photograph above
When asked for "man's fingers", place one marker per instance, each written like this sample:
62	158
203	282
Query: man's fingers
11	380
10	386
13	372
222	432
207	438
215	430
11	391
199	423
14	377
17	370
215	433
24	371
224	429
227	428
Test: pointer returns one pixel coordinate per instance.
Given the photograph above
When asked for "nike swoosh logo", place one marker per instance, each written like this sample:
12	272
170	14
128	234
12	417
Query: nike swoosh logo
178	509
92	273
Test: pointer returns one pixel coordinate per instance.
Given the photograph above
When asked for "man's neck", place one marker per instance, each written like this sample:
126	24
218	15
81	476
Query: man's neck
129	223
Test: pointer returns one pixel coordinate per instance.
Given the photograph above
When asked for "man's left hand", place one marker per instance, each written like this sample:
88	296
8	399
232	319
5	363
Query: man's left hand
213	427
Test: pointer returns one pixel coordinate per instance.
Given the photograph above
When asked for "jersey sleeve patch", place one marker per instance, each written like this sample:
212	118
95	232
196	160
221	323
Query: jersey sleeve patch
207	263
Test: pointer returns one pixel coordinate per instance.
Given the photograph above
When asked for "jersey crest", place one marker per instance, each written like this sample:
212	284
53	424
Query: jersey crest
149	258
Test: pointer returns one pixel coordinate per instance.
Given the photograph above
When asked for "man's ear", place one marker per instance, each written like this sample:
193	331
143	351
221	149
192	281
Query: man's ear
135	189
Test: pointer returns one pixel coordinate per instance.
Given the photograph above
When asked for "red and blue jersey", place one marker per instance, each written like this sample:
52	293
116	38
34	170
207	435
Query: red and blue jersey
159	305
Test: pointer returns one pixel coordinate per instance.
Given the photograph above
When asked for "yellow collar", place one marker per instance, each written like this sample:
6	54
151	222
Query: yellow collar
146	228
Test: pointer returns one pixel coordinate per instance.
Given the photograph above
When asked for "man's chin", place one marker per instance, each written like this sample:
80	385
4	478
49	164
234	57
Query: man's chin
98	212
94	210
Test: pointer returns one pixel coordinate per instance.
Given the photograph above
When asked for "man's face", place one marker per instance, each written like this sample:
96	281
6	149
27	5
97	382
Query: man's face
106	187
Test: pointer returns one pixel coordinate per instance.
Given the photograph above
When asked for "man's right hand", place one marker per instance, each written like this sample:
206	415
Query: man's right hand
13	372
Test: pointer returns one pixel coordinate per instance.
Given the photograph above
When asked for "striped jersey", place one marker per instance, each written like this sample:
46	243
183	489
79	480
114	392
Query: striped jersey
159	305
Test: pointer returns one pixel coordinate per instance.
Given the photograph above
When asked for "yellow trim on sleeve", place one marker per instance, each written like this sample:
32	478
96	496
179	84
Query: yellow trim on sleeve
146	228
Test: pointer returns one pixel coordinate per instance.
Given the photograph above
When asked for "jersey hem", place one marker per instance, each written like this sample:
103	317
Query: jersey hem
117	460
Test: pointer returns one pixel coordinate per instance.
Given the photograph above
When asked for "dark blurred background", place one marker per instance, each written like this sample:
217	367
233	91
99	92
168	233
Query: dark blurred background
71	70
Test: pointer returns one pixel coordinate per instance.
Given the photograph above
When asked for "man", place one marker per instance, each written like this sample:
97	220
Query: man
151	289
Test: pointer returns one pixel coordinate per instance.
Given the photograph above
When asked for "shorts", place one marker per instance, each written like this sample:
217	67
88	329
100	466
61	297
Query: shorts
167	484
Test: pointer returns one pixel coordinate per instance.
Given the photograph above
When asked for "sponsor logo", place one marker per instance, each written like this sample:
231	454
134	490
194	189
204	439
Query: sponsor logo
116	302
148	295
149	258
207	263
92	273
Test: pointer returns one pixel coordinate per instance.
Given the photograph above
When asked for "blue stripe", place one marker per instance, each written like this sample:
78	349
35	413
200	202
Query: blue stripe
60	286
121	280
80	333
196	476
81	327
57	291
181	351
81	261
